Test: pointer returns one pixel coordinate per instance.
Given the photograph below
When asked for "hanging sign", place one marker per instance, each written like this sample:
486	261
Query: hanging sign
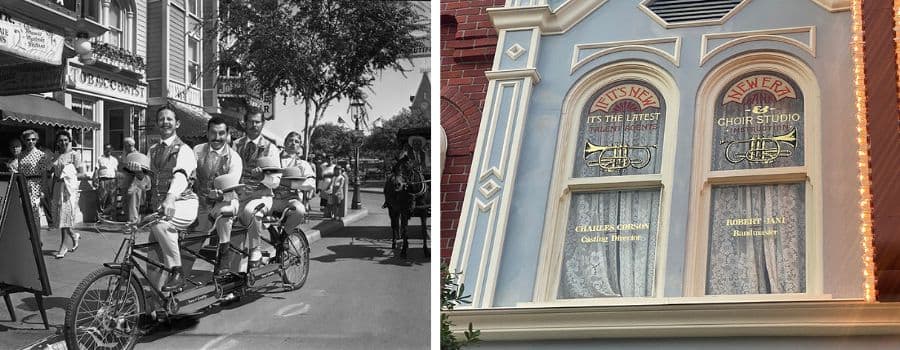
30	43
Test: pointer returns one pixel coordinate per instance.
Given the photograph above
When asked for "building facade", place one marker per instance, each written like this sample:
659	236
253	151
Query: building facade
691	174
468	42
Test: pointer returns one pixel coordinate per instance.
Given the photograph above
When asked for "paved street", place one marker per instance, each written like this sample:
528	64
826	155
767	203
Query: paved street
358	296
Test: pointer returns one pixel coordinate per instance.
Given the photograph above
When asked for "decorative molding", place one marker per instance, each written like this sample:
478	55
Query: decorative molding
550	22
834	5
713	22
646	45
765	319
757	35
489	188
514	74
486	267
515	51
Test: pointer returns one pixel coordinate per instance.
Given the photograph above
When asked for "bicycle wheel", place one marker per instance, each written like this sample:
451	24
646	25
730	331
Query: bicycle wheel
103	312
295	260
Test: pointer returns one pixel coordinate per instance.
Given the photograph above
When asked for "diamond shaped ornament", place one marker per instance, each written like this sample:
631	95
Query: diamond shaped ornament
515	51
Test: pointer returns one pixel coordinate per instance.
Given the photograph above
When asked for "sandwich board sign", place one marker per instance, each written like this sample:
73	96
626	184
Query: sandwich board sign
22	266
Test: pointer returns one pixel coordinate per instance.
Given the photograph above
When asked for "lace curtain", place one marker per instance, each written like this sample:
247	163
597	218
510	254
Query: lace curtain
757	240
610	245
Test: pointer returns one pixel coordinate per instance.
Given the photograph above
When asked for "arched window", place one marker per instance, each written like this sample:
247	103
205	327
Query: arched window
756	184
606	230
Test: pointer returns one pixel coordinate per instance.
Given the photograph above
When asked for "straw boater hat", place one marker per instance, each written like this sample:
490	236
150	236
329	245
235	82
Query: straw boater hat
416	137
270	164
227	182
293	173
139	158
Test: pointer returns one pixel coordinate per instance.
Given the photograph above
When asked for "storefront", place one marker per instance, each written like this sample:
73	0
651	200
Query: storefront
117	101
700	174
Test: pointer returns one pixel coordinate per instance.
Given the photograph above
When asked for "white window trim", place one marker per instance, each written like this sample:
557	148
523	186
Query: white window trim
703	178
563	184
190	33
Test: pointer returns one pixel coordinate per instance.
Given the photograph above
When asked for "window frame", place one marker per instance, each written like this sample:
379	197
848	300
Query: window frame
703	178
564	184
87	153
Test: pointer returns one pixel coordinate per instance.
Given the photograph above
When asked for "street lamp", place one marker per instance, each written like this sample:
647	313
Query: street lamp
357	112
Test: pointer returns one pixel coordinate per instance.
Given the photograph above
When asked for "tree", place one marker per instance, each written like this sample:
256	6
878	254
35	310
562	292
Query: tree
332	139
317	51
383	141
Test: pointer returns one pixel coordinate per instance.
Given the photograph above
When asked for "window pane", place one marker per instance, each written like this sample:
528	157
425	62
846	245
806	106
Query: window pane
114	16
758	123
193	50
193	73
610	245
757	242
621	131
192	6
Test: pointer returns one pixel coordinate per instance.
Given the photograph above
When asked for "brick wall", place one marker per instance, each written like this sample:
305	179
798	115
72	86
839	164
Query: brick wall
468	42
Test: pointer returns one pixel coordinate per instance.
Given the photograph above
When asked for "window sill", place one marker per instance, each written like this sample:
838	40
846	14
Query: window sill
796	318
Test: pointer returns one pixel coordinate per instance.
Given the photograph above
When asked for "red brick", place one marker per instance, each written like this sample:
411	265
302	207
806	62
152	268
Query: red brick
459	178
460	81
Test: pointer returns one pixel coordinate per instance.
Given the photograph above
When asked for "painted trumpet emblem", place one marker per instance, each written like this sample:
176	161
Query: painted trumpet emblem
618	157
761	149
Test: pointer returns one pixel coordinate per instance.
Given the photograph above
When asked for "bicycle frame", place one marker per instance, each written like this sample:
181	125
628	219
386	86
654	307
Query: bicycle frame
129	255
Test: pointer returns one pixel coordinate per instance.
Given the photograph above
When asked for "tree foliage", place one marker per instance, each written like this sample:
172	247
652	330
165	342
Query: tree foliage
452	294
383	141
334	140
317	51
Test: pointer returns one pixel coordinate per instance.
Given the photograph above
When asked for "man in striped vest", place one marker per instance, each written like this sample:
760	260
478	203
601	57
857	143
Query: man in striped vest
260	176
216	158
174	164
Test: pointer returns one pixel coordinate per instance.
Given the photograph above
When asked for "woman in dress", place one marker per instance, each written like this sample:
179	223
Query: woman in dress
68	171
34	164
292	157
338	194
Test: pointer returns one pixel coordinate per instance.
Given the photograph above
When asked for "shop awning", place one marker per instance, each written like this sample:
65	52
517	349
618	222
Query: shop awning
29	109
193	119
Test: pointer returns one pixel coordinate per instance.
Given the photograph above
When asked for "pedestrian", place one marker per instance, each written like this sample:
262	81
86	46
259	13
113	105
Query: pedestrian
133	186
326	177
34	165
15	149
104	181
292	157
68	171
338	194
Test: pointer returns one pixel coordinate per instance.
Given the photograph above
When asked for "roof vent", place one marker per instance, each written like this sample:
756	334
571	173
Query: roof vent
679	11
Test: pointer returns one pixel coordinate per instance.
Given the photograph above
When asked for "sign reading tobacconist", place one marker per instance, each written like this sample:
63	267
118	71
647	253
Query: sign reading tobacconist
107	85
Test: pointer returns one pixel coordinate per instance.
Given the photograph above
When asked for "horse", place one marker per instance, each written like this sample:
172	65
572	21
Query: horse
401	193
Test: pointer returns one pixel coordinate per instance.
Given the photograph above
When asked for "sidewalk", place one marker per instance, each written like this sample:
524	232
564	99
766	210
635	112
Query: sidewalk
98	244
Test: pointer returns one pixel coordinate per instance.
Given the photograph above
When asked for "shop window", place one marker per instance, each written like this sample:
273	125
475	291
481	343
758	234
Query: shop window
607	229
115	126
84	138
757	231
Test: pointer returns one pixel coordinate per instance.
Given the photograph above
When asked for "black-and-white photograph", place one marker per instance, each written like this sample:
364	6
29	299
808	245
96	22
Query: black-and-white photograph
215	174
